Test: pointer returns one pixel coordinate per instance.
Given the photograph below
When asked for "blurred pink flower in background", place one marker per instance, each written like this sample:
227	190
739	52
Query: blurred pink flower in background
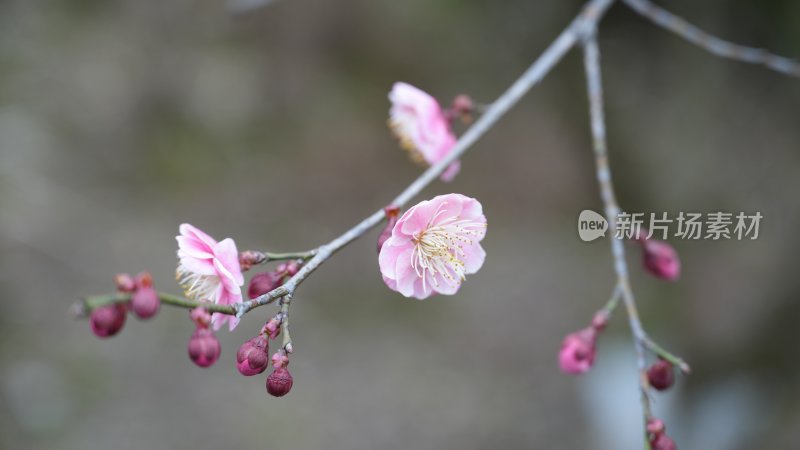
578	351
209	270
422	127
433	246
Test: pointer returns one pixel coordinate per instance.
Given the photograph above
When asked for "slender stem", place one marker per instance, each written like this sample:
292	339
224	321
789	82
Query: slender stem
613	301
287	338
711	43
664	354
595	92
587	19
271	256
84	307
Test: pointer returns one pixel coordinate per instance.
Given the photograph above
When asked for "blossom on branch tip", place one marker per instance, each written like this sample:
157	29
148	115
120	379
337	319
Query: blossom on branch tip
422	126
578	351
209	270
433	246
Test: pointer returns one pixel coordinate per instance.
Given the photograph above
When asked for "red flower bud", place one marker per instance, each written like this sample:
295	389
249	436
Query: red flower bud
660	259
144	301
279	382
204	348
391	213
106	321
660	375
262	283
253	356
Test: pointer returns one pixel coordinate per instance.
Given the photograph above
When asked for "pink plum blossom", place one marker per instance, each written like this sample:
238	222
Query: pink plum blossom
209	270
433	246
578	351
422	127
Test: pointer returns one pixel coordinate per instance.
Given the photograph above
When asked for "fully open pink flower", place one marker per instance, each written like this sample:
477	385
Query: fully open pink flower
433	246
420	124
209	270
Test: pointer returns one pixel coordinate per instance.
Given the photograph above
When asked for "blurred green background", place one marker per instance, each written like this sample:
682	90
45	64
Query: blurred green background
121	119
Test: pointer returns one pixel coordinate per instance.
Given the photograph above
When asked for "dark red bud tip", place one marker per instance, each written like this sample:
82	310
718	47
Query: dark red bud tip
253	356
124	282
391	212
661	376
203	348
106	321
262	283
279	382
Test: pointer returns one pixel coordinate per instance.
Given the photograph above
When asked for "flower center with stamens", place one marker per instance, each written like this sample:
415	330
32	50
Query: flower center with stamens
439	249
196	286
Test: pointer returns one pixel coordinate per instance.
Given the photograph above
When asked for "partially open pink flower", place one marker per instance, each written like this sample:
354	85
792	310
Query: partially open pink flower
433	246
209	270
422	127
578	351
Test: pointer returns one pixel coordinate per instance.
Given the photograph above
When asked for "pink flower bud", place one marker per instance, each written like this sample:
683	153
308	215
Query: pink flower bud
106	321
144	301
280	359
262	283
201	317
655	426
578	351
272	328
288	268
391	213
279	382
204	348
660	259
253	356
660	375
250	258
662	442
124	282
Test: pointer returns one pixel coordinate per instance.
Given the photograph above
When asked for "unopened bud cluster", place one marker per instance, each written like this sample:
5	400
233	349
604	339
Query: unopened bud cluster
108	320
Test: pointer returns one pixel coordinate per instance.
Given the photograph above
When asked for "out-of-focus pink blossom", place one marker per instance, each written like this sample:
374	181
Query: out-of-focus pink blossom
659	258
210	270
433	246
418	121
578	351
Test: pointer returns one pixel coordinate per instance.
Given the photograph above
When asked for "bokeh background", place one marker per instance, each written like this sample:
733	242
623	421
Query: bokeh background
121	119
